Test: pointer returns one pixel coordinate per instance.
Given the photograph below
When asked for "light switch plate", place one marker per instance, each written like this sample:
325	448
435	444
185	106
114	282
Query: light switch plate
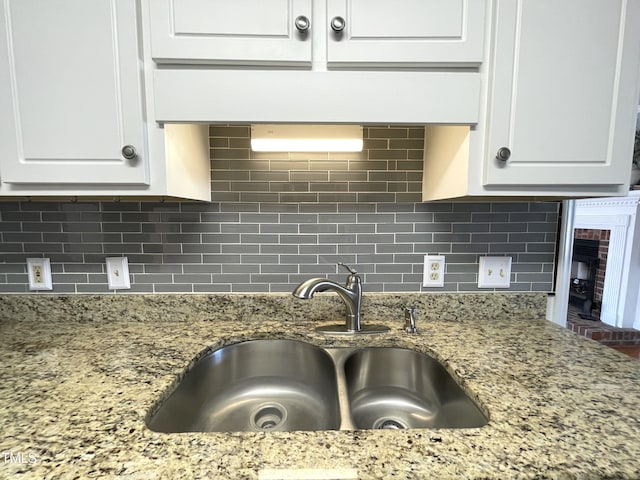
118	273
494	272
433	275
39	272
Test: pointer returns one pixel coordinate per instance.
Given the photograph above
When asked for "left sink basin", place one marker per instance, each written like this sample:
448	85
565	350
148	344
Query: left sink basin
274	385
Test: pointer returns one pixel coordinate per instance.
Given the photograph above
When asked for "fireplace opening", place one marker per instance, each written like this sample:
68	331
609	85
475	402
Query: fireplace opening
584	264
588	264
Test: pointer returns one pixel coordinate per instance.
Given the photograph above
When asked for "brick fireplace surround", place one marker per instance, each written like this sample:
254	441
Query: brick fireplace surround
615	222
624	339
619	291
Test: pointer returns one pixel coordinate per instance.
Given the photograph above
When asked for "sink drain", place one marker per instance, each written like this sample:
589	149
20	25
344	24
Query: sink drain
268	416
388	424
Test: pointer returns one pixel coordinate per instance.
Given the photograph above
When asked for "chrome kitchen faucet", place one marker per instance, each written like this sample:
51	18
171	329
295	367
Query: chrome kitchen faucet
351	295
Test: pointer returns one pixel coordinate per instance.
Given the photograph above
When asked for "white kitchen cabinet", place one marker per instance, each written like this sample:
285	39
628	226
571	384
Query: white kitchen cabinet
70	93
246	32
561	89
237	69
405	32
563	92
73	107
284	32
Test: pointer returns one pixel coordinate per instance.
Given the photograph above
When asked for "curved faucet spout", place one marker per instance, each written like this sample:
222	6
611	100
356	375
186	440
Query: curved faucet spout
307	288
351	295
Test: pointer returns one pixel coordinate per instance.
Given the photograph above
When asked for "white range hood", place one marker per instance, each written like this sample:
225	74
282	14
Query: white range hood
275	96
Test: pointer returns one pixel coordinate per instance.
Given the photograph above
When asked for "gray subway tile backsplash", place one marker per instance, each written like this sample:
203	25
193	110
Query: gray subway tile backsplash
277	219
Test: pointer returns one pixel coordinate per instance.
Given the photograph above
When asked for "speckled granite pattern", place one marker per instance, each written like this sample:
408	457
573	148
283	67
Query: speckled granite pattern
79	374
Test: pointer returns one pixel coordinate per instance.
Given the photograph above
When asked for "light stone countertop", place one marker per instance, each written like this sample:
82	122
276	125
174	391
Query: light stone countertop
80	373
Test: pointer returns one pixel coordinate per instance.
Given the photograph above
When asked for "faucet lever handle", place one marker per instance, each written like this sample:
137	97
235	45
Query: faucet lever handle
352	271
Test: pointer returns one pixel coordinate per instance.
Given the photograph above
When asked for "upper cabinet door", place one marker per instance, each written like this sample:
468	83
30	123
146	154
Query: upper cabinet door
564	92
245	32
405	32
70	93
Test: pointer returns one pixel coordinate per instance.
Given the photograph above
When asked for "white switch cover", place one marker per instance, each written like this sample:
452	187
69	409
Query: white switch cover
39	271
118	273
433	275
494	272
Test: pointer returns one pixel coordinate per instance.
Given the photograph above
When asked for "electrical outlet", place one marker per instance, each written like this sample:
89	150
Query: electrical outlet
39	272
494	272
118	273
433	275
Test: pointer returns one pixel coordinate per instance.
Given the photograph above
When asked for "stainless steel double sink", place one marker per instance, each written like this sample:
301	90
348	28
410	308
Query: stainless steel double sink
288	385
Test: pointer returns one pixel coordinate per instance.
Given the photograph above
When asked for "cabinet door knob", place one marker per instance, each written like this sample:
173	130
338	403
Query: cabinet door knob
302	23
503	154
129	152
338	24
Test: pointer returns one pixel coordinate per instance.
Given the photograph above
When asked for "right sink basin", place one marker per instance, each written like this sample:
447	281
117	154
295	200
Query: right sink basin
393	388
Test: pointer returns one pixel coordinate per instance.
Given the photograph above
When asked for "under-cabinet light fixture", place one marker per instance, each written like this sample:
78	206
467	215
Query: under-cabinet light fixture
306	138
